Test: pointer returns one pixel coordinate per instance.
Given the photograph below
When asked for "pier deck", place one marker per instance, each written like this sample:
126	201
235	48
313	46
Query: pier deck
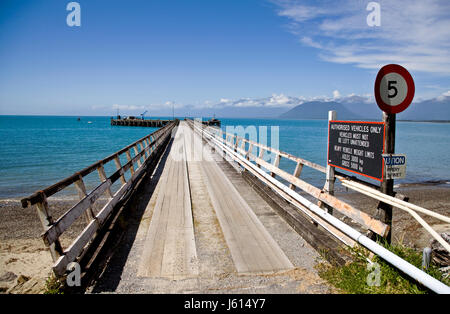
205	230
169	249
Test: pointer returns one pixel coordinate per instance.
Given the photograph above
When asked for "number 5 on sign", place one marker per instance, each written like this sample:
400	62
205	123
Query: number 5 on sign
394	88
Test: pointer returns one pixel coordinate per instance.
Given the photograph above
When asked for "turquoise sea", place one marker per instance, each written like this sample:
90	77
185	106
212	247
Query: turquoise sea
37	151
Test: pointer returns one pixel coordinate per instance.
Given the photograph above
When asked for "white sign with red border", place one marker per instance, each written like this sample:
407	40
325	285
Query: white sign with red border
394	88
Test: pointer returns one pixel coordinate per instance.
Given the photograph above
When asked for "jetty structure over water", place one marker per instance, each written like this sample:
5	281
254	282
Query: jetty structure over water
153	123
202	222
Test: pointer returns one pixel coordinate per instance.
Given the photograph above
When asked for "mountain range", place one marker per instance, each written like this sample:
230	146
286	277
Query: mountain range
432	109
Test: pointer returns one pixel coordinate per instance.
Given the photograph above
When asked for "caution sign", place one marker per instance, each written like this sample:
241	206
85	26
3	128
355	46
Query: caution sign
357	146
395	166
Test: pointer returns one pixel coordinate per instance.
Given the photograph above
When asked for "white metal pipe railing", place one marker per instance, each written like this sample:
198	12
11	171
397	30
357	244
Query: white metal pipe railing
383	197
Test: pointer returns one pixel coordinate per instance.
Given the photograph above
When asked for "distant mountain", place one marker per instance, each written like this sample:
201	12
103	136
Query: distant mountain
432	109
319	110
360	106
357	109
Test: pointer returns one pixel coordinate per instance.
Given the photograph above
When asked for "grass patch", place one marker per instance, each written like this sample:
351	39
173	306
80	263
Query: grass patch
353	277
53	286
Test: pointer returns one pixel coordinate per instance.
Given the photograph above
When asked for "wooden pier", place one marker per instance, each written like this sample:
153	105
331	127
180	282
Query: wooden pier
139	122
193	179
132	121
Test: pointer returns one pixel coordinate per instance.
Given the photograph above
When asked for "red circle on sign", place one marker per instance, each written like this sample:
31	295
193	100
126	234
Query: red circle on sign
394	68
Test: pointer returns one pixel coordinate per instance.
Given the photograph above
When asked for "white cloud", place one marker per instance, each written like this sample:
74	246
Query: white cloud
413	33
443	96
281	100
301	13
127	107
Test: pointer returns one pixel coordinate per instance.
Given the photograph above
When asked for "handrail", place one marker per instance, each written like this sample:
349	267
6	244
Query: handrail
144	150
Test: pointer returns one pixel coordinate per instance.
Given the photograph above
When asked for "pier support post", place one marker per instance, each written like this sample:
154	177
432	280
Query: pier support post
46	220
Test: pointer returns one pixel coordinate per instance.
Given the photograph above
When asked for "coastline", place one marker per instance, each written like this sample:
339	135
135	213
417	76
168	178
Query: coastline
25	262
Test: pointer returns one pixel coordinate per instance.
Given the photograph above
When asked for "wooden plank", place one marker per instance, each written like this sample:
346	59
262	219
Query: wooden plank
252	248
237	143
136	152
75	248
276	163
296	174
46	221
141	146
128	154
69	217
250	149
103	178
169	249
261	156
119	167
318	238
81	188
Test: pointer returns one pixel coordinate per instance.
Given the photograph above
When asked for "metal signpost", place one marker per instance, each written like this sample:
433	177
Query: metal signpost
394	92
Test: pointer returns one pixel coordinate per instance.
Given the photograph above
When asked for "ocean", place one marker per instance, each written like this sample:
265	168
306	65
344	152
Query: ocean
38	151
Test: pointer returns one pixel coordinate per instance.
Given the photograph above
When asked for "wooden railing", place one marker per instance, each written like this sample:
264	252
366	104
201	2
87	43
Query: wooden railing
143	151
238	144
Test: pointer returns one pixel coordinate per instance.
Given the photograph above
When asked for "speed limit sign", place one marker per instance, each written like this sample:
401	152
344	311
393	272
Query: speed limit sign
394	88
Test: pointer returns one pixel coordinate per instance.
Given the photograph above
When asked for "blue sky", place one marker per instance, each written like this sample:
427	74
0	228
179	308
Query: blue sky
151	55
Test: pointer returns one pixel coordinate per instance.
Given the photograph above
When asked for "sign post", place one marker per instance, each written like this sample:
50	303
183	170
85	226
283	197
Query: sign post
394	92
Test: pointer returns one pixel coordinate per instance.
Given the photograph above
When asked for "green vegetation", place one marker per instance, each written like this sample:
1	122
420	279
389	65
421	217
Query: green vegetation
53	286
352	277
